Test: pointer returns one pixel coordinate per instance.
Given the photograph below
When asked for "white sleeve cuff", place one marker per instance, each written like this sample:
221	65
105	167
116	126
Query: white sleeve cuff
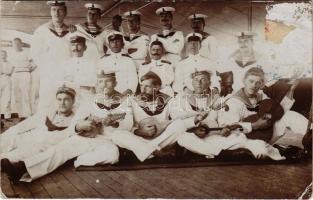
247	127
189	122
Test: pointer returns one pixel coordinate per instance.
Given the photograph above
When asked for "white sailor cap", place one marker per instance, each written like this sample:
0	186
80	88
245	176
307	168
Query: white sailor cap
165	9
208	73
245	34
132	12
106	73
67	87
94	6
115	35
193	37
56	3
197	16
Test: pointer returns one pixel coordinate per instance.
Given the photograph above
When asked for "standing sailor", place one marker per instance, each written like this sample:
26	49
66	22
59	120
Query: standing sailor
209	47
244	58
124	66
49	49
81	70
136	42
93	32
173	40
194	61
163	68
6	70
21	79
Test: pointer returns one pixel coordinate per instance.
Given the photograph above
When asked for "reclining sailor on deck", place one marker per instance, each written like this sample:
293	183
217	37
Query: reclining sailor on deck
89	138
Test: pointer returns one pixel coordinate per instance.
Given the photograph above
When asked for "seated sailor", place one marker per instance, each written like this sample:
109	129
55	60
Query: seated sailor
208	137
90	132
153	129
29	134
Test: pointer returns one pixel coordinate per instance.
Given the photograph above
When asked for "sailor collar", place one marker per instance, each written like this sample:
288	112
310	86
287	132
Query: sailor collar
170	34
98	28
64	28
241	96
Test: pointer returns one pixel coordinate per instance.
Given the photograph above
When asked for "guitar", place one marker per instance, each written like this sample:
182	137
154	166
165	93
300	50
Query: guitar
266	107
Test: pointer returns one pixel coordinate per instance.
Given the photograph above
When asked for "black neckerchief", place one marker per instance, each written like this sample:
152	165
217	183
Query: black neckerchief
168	35
159	108
52	127
241	95
113	106
127	38
244	65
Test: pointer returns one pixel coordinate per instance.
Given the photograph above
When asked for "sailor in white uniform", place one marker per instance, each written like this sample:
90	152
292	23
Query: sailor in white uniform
92	31
6	70
124	66
136	41
40	131
209	48
202	139
194	61
244	58
153	130
90	130
23	65
163	68
49	49
173	40
80	70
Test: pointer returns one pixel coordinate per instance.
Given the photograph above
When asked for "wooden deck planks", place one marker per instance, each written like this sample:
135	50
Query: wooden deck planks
105	191
241	181
84	188
6	187
37	190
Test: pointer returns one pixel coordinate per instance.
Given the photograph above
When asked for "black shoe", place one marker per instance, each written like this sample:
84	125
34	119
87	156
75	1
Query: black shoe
290	152
14	170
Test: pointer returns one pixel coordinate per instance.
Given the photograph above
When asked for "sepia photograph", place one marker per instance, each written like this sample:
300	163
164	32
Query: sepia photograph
156	99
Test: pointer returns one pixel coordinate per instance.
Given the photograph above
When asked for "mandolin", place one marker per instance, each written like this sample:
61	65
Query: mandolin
109	120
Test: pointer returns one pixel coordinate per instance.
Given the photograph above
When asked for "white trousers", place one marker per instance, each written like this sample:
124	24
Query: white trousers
90	151
290	129
143	148
17	147
213	144
5	95
21	101
34	94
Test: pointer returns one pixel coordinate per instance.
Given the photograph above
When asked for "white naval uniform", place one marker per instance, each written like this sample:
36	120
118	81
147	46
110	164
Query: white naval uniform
143	148
214	143
290	121
98	39
126	75
173	43
82	72
186	67
239	68
6	70
21	82
164	69
49	51
34	135
209	47
139	41
89	151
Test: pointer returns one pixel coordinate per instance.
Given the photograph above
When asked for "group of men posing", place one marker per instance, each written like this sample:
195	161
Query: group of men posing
123	100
